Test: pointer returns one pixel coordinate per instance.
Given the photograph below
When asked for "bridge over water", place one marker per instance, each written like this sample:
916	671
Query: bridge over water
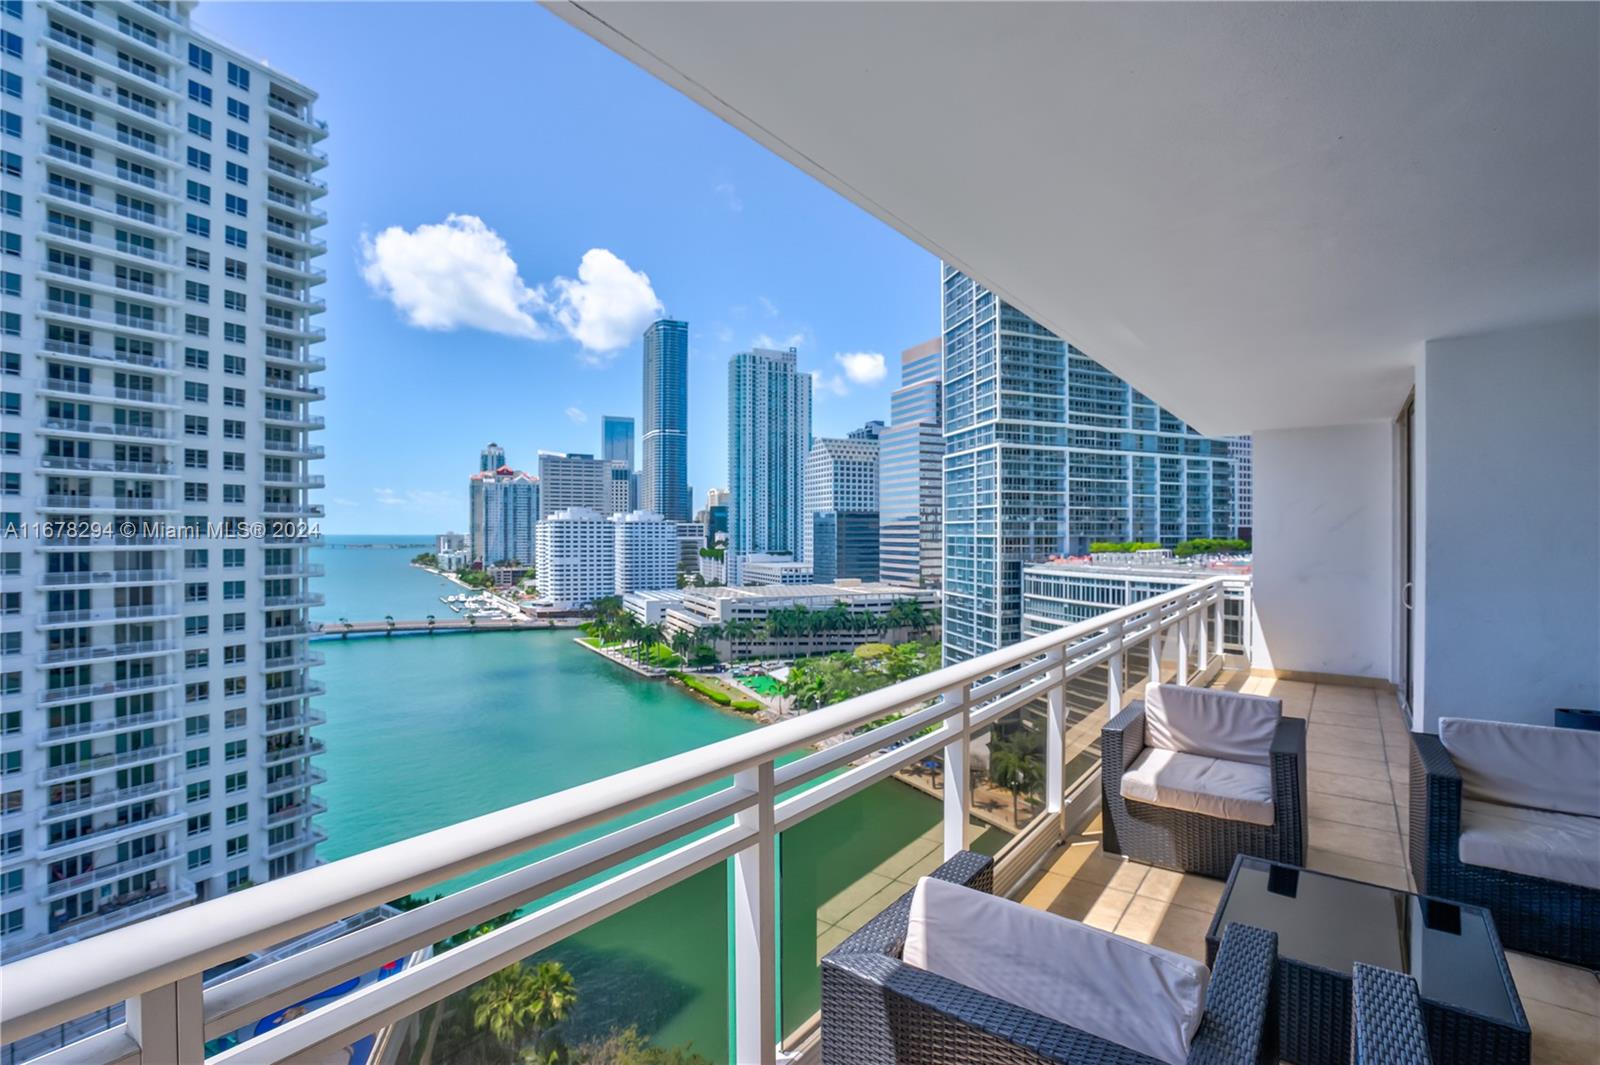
330	630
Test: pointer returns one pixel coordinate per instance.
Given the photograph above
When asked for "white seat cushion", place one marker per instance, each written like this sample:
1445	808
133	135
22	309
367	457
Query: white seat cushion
1560	847
1218	724
1237	791
1140	997
1525	765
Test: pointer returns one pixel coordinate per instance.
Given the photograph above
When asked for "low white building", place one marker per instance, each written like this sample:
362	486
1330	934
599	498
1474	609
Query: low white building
651	607
735	621
575	556
773	569
712	568
645	552
450	561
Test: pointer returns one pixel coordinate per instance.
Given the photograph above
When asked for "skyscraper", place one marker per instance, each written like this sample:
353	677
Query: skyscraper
567	481
841	487
492	458
769	436
505	506
1243	485
616	440
157	376
664	484
1046	451
911	472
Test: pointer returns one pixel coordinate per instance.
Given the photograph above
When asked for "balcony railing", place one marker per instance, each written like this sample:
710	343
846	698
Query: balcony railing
1178	634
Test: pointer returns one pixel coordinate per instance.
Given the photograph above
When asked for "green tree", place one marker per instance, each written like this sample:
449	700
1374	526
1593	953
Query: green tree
628	1047
1015	764
519	1007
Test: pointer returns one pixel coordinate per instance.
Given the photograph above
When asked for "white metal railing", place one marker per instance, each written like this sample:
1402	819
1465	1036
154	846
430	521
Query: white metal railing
156	966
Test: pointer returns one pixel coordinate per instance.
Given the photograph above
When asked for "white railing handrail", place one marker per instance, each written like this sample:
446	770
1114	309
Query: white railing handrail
125	963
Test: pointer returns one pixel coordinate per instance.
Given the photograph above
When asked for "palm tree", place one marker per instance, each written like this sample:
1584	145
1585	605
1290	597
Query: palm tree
503	1005
554	994
389	618
1014	764
430	624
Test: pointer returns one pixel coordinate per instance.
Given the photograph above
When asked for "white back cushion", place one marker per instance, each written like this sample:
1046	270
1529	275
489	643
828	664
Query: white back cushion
1525	765
1217	724
1137	996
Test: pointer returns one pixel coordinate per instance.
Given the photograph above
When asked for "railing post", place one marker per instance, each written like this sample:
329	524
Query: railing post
1182	625
958	777
1155	645
1203	634
168	1023
1114	675
1218	618
755	953
1055	749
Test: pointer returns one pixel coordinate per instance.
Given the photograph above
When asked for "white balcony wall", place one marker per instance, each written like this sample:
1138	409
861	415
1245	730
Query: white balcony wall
1324	546
1509	507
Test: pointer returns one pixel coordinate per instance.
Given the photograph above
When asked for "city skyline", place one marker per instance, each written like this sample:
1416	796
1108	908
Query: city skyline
703	230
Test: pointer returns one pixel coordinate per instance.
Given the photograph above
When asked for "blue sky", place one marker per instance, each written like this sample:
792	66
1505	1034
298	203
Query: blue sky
582	173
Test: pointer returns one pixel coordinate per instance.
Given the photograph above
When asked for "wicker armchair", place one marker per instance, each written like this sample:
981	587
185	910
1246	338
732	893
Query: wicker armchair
876	1010
1194	842
1386	1025
1545	917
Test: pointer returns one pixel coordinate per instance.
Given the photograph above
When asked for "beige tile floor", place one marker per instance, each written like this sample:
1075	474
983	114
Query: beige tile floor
1356	776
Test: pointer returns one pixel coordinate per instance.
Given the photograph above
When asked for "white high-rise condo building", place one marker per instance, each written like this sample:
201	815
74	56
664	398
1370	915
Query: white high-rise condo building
645	552
1244	503
575	555
769	436
567	481
841	499
159	256
911	472
1046	452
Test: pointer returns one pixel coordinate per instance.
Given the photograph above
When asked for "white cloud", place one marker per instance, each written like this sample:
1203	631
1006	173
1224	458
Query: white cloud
729	195
609	304
577	415
863	367
768	306
834	384
452	275
765	340
415	498
459	274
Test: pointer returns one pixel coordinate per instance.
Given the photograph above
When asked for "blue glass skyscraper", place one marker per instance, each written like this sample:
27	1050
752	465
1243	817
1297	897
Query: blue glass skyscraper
664	481
1046	452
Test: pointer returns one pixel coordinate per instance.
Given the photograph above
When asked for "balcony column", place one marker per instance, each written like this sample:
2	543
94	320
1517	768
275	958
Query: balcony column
755	950
1155	646
1055	749
1218	619
1203	631
168	1023
1182	625
1114	674
957	775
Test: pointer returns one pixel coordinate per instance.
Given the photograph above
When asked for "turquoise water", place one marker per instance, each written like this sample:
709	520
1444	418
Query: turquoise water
424	731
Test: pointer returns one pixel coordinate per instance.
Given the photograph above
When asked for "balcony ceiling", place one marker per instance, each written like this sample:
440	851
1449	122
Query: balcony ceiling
1255	213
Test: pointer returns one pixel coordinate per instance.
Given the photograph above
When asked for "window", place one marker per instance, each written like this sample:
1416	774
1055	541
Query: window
238	141
233	332
234	654
198	692
196	557
233	751
233	301
232	430
196	425
233	364
200	127
233	462
10	762
11	882
237	782
12	164
236	205
234	590
11	83
200	856
198	758
10	44
238	77
11	923
196	625
238	845
238	878
196	591
199	193
237	174
200	160
11	720
10	284
196	326
199	791
238	109
197	292
200	58
200	658
196	391
11	203
11	123
233	397
200	227
196	358
197	259
233	623
196	459
236	269
197	725
234	718
199	93
236	238
233	557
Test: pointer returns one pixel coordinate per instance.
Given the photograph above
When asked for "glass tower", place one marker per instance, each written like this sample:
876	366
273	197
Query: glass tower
664	485
769	436
910	472
616	440
1047	451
